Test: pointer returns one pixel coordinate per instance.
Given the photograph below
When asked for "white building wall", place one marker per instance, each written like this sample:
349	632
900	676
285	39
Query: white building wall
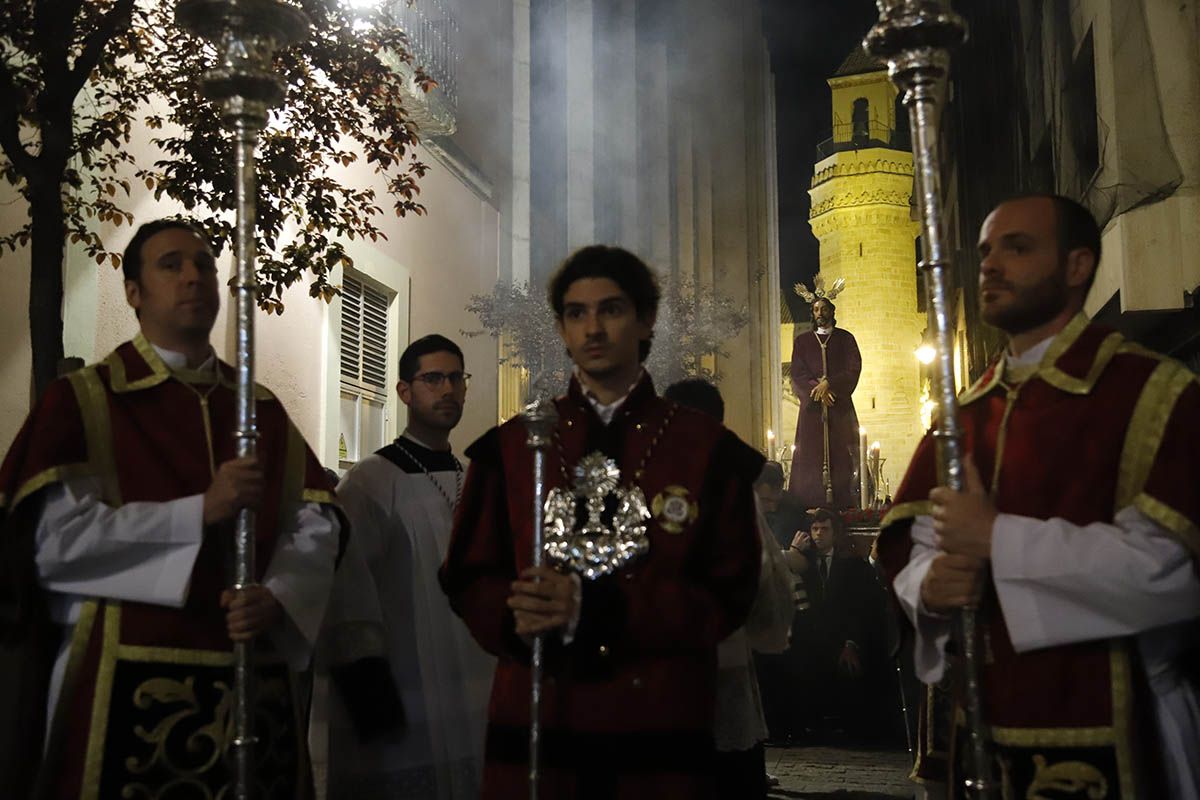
434	263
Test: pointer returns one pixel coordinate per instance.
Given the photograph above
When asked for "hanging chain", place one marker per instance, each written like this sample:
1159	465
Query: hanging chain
637	474
458	477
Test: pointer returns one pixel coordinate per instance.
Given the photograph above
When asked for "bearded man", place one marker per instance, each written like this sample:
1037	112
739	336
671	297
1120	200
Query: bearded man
1076	533
390	630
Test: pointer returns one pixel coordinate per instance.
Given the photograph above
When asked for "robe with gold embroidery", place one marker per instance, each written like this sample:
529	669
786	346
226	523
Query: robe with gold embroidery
145	696
1101	426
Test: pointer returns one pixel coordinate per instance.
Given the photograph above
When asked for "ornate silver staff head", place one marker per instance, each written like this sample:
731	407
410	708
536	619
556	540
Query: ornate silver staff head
247	33
540	417
915	38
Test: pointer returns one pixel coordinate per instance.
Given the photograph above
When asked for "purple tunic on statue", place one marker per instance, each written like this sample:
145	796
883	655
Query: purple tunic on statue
843	364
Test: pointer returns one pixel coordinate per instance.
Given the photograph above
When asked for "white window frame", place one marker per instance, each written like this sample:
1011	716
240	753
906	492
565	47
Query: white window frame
357	385
383	273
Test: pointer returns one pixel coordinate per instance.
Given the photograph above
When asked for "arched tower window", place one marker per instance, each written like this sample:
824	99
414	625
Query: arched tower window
860	120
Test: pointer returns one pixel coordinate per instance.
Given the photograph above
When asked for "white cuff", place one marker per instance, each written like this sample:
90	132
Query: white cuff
1015	603
933	630
187	527
289	641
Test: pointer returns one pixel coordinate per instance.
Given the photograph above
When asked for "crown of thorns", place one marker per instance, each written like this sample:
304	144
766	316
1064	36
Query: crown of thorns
819	291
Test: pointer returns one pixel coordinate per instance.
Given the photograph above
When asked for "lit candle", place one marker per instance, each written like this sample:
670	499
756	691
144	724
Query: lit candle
863	499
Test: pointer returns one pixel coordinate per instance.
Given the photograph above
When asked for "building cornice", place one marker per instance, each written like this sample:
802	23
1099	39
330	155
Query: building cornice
863	162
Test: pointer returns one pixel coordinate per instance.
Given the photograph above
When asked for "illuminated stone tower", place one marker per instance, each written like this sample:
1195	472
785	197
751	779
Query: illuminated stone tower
861	191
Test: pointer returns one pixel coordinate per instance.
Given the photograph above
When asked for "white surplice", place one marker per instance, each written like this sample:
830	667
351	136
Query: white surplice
386	596
738	721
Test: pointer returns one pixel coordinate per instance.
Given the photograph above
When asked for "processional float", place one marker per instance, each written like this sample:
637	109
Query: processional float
915	37
246	33
819	292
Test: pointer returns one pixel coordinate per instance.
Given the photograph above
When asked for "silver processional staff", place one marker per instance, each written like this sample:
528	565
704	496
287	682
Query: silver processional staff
915	38
540	417
246	33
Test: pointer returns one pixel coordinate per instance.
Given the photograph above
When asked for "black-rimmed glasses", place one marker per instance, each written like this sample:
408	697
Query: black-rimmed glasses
435	379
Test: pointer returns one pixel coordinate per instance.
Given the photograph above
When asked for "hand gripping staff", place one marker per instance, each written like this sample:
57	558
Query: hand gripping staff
540	420
914	37
246	34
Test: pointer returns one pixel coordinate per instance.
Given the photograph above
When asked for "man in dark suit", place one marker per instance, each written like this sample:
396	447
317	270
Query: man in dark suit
839	640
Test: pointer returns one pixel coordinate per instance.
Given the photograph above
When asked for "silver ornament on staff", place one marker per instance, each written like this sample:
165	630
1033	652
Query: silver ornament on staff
915	38
247	33
540	418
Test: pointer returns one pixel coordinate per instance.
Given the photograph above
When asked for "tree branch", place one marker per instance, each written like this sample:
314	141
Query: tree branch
119	15
10	126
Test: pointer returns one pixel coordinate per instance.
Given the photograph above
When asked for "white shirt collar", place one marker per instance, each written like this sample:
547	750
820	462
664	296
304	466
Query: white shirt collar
177	361
606	411
825	331
1031	357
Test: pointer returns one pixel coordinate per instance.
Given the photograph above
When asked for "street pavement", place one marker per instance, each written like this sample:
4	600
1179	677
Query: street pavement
831	773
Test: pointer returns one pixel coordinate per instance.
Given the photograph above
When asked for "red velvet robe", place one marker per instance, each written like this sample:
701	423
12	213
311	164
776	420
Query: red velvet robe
627	707
137	669
844	366
1102	425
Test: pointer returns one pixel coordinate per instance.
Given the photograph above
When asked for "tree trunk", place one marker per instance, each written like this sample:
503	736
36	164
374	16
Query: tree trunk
47	244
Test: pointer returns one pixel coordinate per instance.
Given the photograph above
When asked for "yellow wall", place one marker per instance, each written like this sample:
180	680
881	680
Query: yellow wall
881	102
860	214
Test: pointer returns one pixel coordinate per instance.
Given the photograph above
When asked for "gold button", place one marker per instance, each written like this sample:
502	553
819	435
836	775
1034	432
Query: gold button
638	426
603	650
570	423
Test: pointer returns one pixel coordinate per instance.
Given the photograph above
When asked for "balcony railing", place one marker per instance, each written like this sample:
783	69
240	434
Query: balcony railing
874	134
432	32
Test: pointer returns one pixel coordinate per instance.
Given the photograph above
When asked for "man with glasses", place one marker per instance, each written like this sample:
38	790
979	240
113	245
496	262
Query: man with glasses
389	627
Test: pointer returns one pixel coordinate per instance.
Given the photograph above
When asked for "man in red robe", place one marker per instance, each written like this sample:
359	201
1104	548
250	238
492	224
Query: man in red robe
825	369
1076	533
119	494
627	703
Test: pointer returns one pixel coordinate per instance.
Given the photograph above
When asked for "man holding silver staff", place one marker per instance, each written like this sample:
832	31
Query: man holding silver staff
1081	555
653	556
120	493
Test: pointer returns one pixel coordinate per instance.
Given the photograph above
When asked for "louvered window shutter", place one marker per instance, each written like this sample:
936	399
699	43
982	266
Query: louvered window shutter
364	369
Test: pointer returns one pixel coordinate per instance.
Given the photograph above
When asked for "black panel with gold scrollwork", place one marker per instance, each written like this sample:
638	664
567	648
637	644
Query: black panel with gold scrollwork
170	727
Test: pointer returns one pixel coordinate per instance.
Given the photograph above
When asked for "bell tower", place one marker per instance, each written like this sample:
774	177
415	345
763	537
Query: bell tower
862	215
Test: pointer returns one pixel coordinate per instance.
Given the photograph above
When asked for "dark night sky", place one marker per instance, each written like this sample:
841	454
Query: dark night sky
808	40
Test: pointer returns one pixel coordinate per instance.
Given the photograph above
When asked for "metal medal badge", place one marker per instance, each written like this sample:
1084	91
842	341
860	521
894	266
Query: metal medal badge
613	533
674	509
